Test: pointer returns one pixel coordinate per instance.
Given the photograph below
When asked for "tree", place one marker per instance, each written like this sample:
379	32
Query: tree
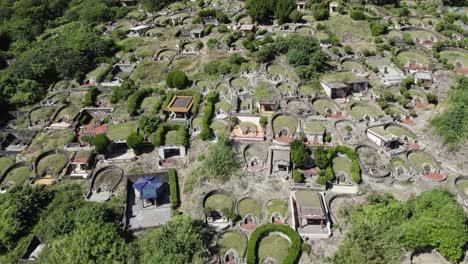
180	240
329	174
148	124
221	161
135	141
295	16
283	9
321	158
100	143
299	153
21	207
321	13
177	79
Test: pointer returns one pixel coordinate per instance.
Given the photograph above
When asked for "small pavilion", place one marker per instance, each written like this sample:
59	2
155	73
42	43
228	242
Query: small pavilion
180	106
147	189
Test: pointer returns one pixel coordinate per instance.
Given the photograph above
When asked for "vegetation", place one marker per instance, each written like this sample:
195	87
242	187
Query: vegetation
159	138
174	185
134	101
100	143
302	52
259	233
90	96
221	161
324	160
299	153
177	79
181	240
135	142
262	11
452	123
211	98
148	124
381	228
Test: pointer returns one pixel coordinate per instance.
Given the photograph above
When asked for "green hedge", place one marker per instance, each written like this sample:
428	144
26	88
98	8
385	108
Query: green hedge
355	169
206	132
174	185
158	139
134	101
257	235
102	74
196	99
90	96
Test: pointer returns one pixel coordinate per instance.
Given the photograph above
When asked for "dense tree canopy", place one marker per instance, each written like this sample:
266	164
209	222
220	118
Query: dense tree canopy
262	10
383	227
452	124
221	160
181	240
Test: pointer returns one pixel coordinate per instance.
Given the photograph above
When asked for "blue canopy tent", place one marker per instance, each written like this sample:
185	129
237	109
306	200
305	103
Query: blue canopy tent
147	187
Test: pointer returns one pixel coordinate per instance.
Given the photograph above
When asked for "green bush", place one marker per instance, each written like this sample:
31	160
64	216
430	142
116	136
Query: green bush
298	177
174	185
263	121
135	141
134	101
206	132
100	143
294	251
357	14
90	96
158	139
177	79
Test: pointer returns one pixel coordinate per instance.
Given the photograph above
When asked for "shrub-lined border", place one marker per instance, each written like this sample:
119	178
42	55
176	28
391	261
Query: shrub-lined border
263	231
174	188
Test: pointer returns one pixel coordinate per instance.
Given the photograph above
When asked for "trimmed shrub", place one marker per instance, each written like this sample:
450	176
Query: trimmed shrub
135	141
134	101
298	177
177	79
100	143
159	137
90	96
263	121
259	233
206	132
357	14
174	188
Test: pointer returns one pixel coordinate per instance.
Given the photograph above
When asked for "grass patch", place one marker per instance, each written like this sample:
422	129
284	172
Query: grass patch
121	131
342	24
17	175
249	205
322	105
273	246
47	141
288	122
5	162
463	186
42	113
399	162
239	83
172	137
149	72
218	202
262	92
455	56
148	103
218	126
223	105
400	131
286	88
418	158
359	110
405	57
277	205
340	77
342	164
234	240
55	161
314	128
